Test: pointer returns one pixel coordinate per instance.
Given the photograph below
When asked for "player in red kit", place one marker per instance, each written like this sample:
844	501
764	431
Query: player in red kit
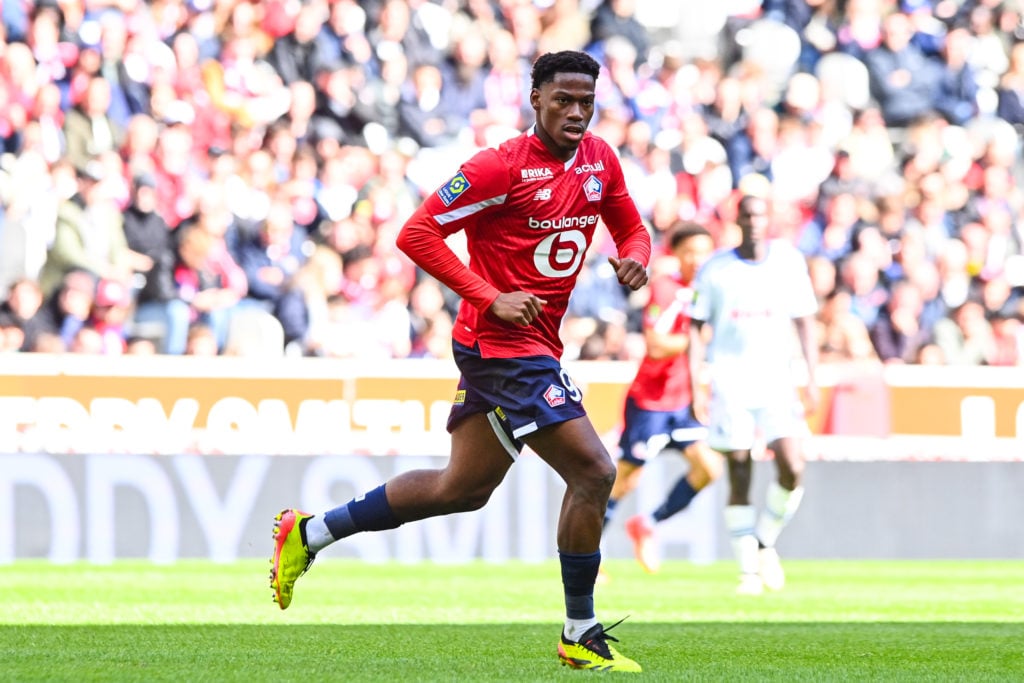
529	210
657	416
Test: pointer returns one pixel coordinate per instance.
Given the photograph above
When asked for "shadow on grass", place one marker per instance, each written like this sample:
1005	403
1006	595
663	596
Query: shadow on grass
712	651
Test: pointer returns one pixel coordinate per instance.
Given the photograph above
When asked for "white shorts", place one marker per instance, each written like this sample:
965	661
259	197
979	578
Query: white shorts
735	426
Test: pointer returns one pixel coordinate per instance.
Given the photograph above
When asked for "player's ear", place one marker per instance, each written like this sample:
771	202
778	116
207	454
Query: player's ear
535	99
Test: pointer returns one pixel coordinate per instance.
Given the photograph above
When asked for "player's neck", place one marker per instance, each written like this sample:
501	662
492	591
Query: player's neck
753	251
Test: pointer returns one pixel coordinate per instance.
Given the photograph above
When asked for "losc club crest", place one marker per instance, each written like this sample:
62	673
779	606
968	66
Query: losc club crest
555	396
592	189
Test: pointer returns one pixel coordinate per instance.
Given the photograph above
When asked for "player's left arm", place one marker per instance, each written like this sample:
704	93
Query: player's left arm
633	242
806	330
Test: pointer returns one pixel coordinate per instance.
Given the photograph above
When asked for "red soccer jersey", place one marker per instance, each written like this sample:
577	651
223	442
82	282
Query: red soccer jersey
664	383
529	219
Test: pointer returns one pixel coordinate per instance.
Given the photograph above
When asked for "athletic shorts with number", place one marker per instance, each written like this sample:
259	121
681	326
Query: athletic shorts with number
645	433
519	395
735	426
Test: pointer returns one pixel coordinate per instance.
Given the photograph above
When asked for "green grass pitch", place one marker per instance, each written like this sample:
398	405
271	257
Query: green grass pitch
351	621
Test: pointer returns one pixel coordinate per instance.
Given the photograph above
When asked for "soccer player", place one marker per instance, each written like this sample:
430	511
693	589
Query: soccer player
529	210
752	297
657	416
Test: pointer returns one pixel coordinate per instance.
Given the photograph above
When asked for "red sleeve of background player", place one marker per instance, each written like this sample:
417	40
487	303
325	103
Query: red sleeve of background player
622	218
481	183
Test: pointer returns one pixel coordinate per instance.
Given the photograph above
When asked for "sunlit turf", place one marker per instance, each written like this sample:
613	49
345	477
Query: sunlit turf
351	621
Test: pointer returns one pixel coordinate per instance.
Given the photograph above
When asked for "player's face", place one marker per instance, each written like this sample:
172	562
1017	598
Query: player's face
564	108
753	220
692	253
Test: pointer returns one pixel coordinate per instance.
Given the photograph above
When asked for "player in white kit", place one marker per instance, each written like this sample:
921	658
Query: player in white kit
753	297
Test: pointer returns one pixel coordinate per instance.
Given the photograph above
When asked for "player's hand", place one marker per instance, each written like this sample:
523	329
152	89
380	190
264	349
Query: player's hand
811	397
518	308
699	406
631	273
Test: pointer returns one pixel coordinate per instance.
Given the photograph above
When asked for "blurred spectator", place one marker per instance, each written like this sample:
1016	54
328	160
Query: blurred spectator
903	78
842	336
89	130
462	77
319	279
507	85
618	18
89	234
966	338
752	150
30	194
12	337
271	257
151	243
140	346
987	51
208	284
830	234
1010	92
958	88
22	309
87	341
858	274
201	341
869	146
1007	338
897	333
423	114
298	55
68	309
110	316
399	27
343	36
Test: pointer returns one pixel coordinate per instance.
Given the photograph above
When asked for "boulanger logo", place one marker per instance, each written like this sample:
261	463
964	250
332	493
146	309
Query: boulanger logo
451	190
560	254
562	222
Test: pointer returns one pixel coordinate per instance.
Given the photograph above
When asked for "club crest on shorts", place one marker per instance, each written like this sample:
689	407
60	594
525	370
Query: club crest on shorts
592	187
555	396
451	190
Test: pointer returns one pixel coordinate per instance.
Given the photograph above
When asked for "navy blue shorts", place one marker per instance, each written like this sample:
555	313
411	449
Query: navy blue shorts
645	433
520	395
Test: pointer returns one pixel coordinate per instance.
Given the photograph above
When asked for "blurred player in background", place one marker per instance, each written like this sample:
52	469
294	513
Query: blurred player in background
752	297
529	210
657	416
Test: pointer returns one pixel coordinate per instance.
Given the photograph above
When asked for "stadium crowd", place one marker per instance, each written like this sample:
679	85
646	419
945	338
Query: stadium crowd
210	176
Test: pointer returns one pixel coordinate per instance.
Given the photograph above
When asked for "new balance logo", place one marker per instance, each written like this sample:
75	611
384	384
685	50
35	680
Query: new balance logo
542	195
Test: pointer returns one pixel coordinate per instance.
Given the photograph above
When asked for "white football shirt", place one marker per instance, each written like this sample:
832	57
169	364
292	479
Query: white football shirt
750	306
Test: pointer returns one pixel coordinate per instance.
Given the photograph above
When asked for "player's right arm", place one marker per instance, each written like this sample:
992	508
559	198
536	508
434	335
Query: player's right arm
695	359
481	184
700	313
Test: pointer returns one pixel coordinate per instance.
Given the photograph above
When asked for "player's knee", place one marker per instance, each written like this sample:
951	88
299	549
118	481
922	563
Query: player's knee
595	480
706	465
791	478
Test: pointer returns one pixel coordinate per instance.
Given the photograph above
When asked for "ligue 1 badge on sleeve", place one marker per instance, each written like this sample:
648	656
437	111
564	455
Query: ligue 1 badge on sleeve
592	189
451	190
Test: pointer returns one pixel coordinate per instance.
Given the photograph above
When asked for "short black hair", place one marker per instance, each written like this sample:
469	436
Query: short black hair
684	230
564	62
746	200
